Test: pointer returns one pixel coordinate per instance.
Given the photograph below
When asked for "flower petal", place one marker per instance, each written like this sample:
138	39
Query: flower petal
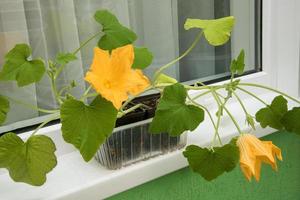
122	60
138	82
101	62
253	152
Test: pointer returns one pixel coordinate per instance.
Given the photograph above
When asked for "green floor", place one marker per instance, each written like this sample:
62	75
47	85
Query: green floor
186	185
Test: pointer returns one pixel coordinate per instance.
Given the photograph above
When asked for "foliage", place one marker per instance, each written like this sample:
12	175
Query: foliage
17	66
211	163
272	114
238	65
64	58
4	108
29	161
115	34
173	115
290	120
217	32
87	126
117	78
142	58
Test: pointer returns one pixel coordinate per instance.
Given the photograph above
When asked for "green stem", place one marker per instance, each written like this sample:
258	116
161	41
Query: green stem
241	103
62	90
161	69
32	106
253	95
133	97
85	93
217	130
86	42
227	111
56	116
271	89
60	69
54	90
216	127
122	113
94	94
201	95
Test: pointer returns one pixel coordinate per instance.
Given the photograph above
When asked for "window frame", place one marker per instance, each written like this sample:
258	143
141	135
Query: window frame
274	47
93	179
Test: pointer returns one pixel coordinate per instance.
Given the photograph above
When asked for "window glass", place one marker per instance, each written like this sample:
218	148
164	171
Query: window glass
51	26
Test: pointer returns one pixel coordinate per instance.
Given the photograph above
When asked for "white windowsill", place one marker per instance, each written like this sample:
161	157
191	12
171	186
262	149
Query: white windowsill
74	179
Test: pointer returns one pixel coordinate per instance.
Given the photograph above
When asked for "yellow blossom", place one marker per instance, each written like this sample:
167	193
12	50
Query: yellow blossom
112	76
253	152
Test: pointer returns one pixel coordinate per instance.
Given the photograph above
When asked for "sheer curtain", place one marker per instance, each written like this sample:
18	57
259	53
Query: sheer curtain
51	26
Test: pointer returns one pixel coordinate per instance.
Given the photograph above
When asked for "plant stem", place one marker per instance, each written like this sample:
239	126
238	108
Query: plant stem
94	94
60	69
216	127
271	89
32	106
85	93
122	113
233	120
200	95
161	69
241	103
133	97
55	116
253	95
54	90
227	111
86	42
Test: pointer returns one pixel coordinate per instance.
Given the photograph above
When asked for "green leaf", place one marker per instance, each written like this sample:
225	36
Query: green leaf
87	126
291	120
216	31
64	58
212	163
173	115
238	65
271	116
250	121
29	161
164	79
4	108
142	58
18	67
115	34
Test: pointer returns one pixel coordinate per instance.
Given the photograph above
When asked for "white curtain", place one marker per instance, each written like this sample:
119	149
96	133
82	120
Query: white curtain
52	26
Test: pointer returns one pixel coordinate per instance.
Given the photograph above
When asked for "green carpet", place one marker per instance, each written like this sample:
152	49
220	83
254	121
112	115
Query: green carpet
184	184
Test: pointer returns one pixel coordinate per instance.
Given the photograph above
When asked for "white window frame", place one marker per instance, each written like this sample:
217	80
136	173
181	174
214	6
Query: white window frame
75	179
280	46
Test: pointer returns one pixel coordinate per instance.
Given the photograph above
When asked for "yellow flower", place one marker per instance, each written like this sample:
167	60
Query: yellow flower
253	152
112	76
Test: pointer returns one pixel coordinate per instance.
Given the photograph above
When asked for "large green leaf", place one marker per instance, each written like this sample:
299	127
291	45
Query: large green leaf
18	67
238	65
271	116
115	34
142	58
212	163
173	115
87	126
27	162
216	31
291	120
4	108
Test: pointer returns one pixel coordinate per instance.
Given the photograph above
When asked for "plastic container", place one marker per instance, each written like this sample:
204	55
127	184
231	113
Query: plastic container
132	143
